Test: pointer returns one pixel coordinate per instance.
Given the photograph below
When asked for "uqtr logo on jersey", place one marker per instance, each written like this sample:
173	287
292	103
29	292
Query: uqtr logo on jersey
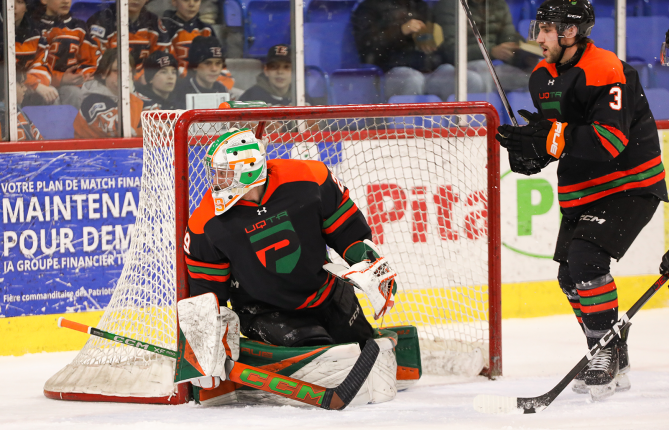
275	243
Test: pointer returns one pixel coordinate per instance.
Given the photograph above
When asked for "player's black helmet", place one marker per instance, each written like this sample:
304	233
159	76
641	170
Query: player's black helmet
565	13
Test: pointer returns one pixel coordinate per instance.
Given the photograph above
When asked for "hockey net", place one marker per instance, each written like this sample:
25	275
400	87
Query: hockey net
425	176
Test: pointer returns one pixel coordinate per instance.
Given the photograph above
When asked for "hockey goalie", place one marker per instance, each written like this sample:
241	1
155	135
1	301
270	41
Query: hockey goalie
258	240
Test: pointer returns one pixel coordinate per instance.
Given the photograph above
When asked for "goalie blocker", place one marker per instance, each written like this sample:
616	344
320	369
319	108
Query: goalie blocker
209	339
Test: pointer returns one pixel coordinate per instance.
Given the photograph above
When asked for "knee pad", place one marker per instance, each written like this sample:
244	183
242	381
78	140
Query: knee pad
566	284
278	328
587	261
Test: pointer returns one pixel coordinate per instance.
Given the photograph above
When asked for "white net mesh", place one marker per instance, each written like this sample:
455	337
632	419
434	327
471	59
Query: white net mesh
421	182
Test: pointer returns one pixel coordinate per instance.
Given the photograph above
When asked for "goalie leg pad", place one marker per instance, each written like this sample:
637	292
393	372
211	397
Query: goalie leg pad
207	336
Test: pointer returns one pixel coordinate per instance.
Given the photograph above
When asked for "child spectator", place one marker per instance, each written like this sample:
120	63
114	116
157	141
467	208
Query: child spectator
182	26
98	115
160	72
30	56
274	83
71	57
147	33
26	129
205	62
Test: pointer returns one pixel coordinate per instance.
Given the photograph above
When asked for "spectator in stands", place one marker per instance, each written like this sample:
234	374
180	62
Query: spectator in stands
183	25
71	56
397	36
98	115
495	24
30	56
160	72
274	84
147	33
26	130
205	61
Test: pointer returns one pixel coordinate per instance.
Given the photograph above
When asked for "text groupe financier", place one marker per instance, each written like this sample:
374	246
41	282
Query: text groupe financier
98	206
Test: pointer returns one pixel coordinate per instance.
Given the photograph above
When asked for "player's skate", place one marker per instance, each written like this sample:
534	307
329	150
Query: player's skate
579	383
622	380
600	376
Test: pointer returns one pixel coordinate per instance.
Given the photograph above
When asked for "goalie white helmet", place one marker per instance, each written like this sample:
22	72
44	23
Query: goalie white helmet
235	163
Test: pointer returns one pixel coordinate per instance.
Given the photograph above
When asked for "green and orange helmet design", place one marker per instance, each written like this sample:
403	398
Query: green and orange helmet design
235	163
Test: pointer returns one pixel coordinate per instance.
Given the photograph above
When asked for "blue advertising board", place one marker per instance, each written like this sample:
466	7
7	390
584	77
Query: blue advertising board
67	218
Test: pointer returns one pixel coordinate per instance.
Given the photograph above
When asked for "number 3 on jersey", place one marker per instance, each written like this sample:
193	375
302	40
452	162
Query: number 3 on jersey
617	102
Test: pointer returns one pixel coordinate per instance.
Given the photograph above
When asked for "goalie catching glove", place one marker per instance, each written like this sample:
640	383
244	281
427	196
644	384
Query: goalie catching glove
209	340
540	139
373	276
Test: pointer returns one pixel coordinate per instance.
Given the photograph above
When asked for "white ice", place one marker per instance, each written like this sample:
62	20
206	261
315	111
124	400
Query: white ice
537	353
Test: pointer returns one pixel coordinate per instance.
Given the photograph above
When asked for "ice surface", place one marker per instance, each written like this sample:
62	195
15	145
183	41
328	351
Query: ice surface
537	353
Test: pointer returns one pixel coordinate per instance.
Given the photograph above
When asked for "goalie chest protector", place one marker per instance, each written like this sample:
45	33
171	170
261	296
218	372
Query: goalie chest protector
275	250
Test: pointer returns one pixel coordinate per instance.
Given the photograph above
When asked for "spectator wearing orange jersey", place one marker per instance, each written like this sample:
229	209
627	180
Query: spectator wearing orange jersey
182	26
31	56
71	57
98	115
147	33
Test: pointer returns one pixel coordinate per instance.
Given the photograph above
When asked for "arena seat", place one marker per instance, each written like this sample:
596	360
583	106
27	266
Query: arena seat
328	10
417	121
492	98
657	7
330	46
604	33
658	98
54	122
267	24
644	37
83	9
518	101
233	11
356	86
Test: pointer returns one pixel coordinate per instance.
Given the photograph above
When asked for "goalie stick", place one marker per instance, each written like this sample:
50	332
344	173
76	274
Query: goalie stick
492	404
326	398
486	57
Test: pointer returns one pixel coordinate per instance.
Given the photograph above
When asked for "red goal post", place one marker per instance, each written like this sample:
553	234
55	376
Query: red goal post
464	109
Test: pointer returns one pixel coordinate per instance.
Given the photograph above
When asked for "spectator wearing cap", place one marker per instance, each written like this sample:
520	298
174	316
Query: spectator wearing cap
206	60
274	83
160	71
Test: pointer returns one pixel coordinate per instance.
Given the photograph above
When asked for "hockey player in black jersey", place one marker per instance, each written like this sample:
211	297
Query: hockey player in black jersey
259	237
594	119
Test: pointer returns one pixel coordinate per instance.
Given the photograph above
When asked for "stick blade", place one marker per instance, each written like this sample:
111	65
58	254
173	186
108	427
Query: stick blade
492	404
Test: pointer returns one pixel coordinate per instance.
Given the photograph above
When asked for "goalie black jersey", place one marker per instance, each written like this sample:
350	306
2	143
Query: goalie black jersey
274	250
611	140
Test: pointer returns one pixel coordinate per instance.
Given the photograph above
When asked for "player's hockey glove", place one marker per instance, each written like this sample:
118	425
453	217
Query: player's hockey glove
540	139
524	166
664	266
373	276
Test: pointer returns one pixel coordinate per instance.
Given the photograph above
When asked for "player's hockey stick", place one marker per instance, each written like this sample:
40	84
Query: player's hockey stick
492	404
488	61
327	398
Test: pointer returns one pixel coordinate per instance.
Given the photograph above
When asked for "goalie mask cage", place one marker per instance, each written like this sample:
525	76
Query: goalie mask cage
426	177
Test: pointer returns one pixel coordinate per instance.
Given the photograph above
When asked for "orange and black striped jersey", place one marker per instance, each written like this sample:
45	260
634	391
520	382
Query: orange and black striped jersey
68	46
274	250
26	128
98	117
181	35
147	34
611	143
31	49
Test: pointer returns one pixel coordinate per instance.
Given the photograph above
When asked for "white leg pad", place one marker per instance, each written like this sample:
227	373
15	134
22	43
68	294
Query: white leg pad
212	332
